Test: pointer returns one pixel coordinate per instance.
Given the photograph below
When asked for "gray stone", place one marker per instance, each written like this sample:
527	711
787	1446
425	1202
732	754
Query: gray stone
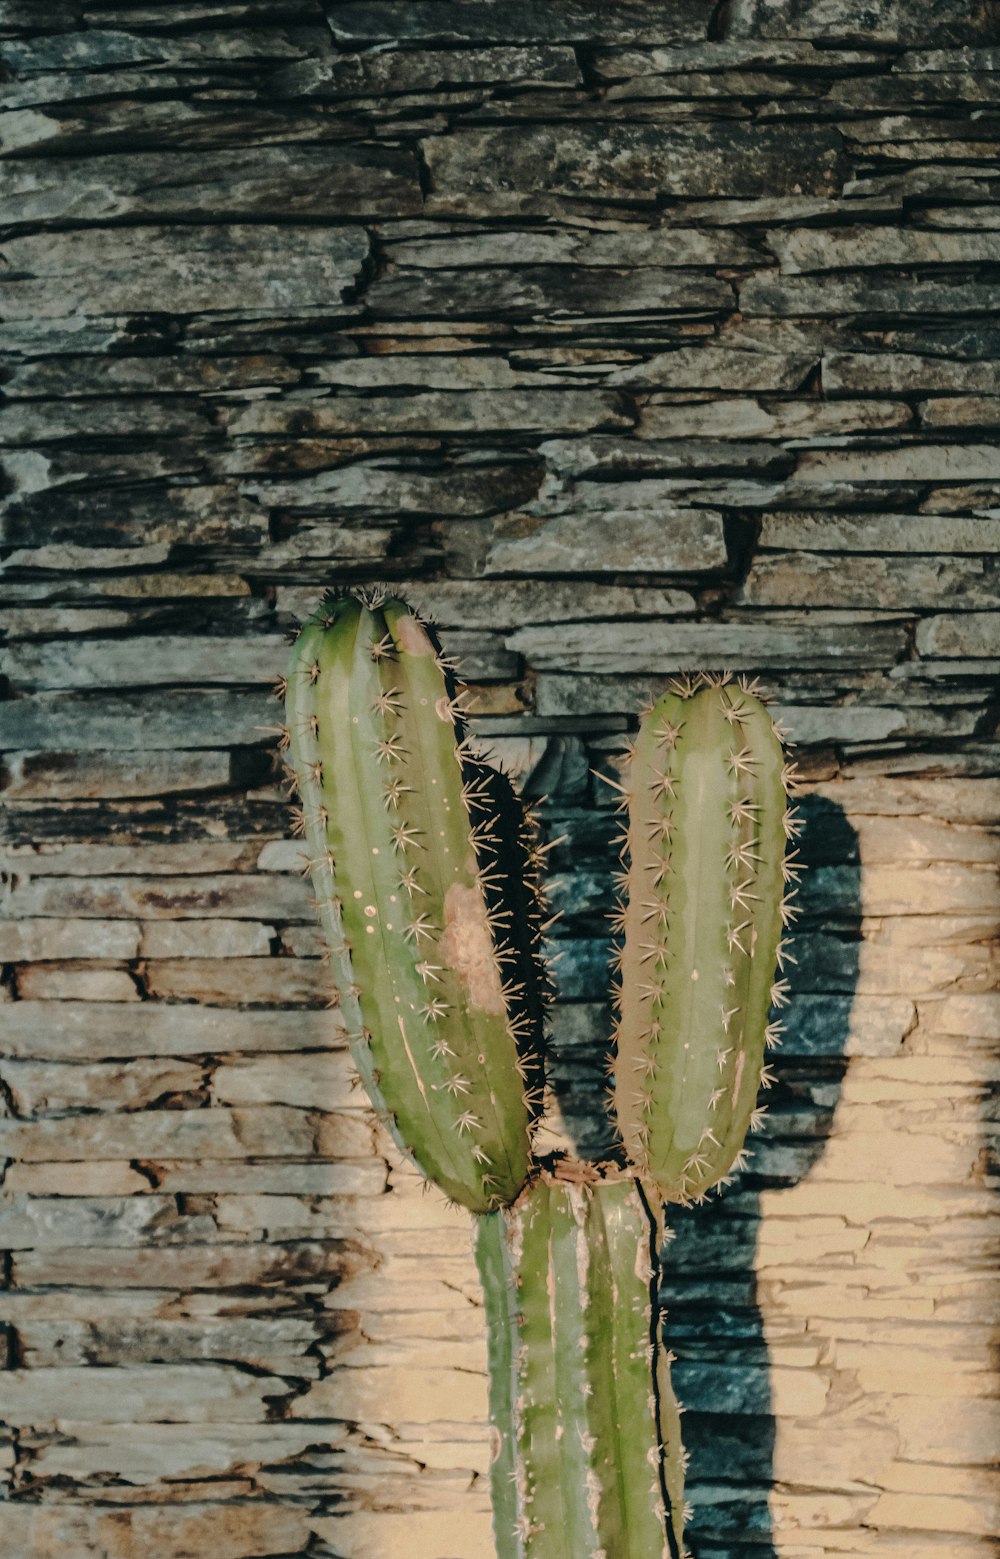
500	21
597	454
206	939
539	169
710	367
50	1087
820	578
94	723
93	1030
250	269
539	291
153	659
939	23
891	533
815	421
523	411
670	648
630	247
864	296
234	896
619	541
856	248
967	411
280	183
105	776
968	633
871	372
36	940
908	463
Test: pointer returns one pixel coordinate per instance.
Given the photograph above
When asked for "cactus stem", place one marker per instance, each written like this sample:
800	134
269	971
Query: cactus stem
428	971
467	1121
441	1048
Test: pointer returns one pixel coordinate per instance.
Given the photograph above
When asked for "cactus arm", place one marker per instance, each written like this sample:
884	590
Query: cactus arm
441	1056
702	924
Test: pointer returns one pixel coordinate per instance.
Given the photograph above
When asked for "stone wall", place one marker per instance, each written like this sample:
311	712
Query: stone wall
630	338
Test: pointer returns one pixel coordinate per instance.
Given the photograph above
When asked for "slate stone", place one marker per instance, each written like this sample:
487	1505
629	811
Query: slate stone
525	291
926	23
255	269
278	183
493	172
500	21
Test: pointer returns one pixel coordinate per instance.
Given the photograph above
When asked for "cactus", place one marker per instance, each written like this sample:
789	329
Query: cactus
410	857
587	1454
703	919
425	881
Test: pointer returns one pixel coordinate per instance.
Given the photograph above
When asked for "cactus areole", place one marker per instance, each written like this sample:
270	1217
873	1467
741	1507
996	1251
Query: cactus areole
425	874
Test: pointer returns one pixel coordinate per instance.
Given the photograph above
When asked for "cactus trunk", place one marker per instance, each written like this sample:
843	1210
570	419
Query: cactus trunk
587	1456
409	869
703	924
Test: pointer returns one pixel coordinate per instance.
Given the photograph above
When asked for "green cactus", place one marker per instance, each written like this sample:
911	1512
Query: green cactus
588	1460
410	857
705	906
426	884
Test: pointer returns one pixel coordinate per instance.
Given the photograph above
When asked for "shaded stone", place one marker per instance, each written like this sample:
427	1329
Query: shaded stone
251	268
851	248
66	776
158	721
539	411
538	291
861	296
497	21
538	169
282	183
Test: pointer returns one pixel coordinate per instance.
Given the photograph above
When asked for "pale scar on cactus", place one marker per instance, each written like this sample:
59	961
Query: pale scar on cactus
426	880
707	896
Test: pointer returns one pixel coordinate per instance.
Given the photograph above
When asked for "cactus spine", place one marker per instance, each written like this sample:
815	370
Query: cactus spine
588	1460
707	822
426	887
